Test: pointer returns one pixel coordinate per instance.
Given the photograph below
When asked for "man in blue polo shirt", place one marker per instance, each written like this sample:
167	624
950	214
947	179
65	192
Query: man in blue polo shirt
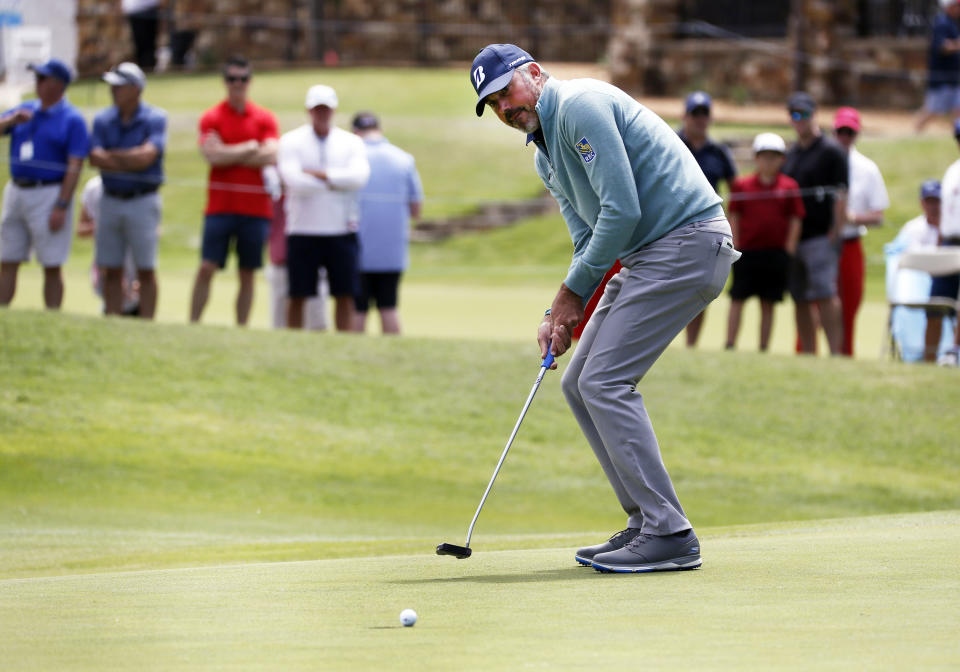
713	158
48	142
628	189
128	144
392	197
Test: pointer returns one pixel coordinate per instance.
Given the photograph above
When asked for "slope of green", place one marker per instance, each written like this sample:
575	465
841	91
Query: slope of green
115	436
863	593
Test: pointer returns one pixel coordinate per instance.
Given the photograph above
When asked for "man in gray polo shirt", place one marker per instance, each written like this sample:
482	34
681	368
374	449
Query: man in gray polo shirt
128	144
628	189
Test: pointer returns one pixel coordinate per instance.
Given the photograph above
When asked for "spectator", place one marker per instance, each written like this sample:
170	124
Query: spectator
765	214
943	64
48	142
866	201
820	168
923	231
322	168
315	307
128	145
714	159
391	198
185	21
144	19
628	189
238	139
948	286
86	227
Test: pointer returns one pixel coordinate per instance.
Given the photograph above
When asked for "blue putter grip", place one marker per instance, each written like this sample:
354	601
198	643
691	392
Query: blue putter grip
548	360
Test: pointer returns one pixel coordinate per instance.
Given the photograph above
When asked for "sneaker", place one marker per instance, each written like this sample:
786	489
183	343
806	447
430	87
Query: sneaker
585	555
651	553
948	358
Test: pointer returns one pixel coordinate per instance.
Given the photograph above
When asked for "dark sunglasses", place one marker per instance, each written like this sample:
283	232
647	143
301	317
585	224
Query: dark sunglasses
700	112
232	79
41	78
846	131
800	115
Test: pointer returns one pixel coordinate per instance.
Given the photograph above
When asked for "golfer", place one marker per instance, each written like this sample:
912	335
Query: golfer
628	188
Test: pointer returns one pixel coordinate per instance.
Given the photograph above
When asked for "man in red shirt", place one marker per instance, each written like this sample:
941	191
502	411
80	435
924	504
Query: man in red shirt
765	214
238	139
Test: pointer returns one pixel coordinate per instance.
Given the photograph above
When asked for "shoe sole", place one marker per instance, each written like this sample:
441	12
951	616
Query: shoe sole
586	562
676	564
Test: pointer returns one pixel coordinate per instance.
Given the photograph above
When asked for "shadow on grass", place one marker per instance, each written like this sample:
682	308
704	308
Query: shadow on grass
523	577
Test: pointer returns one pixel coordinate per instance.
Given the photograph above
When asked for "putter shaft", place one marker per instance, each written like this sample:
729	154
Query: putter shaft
543	369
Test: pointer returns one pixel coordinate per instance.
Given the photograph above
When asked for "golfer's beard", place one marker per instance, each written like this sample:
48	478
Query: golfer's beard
532	123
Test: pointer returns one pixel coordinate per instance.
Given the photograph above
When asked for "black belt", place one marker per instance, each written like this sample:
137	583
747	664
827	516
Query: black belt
951	240
127	195
30	184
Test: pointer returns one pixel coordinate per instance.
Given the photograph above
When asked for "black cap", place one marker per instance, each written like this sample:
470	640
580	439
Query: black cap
364	121
802	101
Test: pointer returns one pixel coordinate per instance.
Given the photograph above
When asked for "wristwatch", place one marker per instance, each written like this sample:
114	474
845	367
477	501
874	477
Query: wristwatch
61	204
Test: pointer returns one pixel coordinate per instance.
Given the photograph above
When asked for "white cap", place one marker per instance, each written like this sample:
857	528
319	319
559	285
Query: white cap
126	73
321	95
769	142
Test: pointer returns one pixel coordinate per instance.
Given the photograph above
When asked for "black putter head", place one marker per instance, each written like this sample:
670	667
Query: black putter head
459	552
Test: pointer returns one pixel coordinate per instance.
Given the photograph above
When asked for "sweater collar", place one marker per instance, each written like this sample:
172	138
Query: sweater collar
546	107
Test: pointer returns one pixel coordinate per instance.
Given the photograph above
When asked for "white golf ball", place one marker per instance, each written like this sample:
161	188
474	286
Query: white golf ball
408	617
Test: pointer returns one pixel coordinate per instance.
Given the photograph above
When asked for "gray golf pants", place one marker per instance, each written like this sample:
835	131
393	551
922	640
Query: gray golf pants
662	286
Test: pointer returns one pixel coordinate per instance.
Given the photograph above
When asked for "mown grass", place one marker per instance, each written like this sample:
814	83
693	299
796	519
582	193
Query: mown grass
861	593
110	426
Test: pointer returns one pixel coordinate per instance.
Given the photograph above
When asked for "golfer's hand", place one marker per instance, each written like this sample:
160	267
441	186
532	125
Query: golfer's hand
567	313
544	338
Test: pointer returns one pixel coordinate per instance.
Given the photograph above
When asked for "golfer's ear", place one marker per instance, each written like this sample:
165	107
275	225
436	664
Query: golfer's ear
535	69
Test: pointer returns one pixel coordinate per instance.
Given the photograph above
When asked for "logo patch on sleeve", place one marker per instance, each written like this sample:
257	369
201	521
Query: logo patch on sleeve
585	150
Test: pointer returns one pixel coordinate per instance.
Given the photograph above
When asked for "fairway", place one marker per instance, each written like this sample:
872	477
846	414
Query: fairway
864	593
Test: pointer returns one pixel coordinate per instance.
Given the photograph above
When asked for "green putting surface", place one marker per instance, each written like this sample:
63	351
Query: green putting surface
864	593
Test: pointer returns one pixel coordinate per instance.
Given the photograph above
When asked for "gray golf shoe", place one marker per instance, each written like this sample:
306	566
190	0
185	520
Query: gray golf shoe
585	555
651	553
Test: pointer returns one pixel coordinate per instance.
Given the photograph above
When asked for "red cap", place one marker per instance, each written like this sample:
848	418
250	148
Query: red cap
847	117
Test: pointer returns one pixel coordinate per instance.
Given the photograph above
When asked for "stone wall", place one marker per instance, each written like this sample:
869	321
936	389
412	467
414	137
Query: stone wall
635	37
821	55
866	72
354	31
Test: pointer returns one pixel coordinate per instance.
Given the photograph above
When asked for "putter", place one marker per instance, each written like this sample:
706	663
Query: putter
463	552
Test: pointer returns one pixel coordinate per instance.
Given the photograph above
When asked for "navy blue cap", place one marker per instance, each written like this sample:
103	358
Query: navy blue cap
956	126
53	68
493	68
698	99
930	189
802	101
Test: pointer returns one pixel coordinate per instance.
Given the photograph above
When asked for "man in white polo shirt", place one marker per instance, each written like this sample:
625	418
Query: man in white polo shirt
322	168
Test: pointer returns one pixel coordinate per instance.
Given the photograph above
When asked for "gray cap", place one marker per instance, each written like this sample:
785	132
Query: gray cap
124	74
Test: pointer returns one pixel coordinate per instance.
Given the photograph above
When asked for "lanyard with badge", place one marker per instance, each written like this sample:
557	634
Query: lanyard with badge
26	147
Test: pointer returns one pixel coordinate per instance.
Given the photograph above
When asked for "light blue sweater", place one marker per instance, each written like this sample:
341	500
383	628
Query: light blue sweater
621	175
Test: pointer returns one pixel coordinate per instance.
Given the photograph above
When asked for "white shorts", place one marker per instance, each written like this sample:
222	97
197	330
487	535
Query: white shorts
25	224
